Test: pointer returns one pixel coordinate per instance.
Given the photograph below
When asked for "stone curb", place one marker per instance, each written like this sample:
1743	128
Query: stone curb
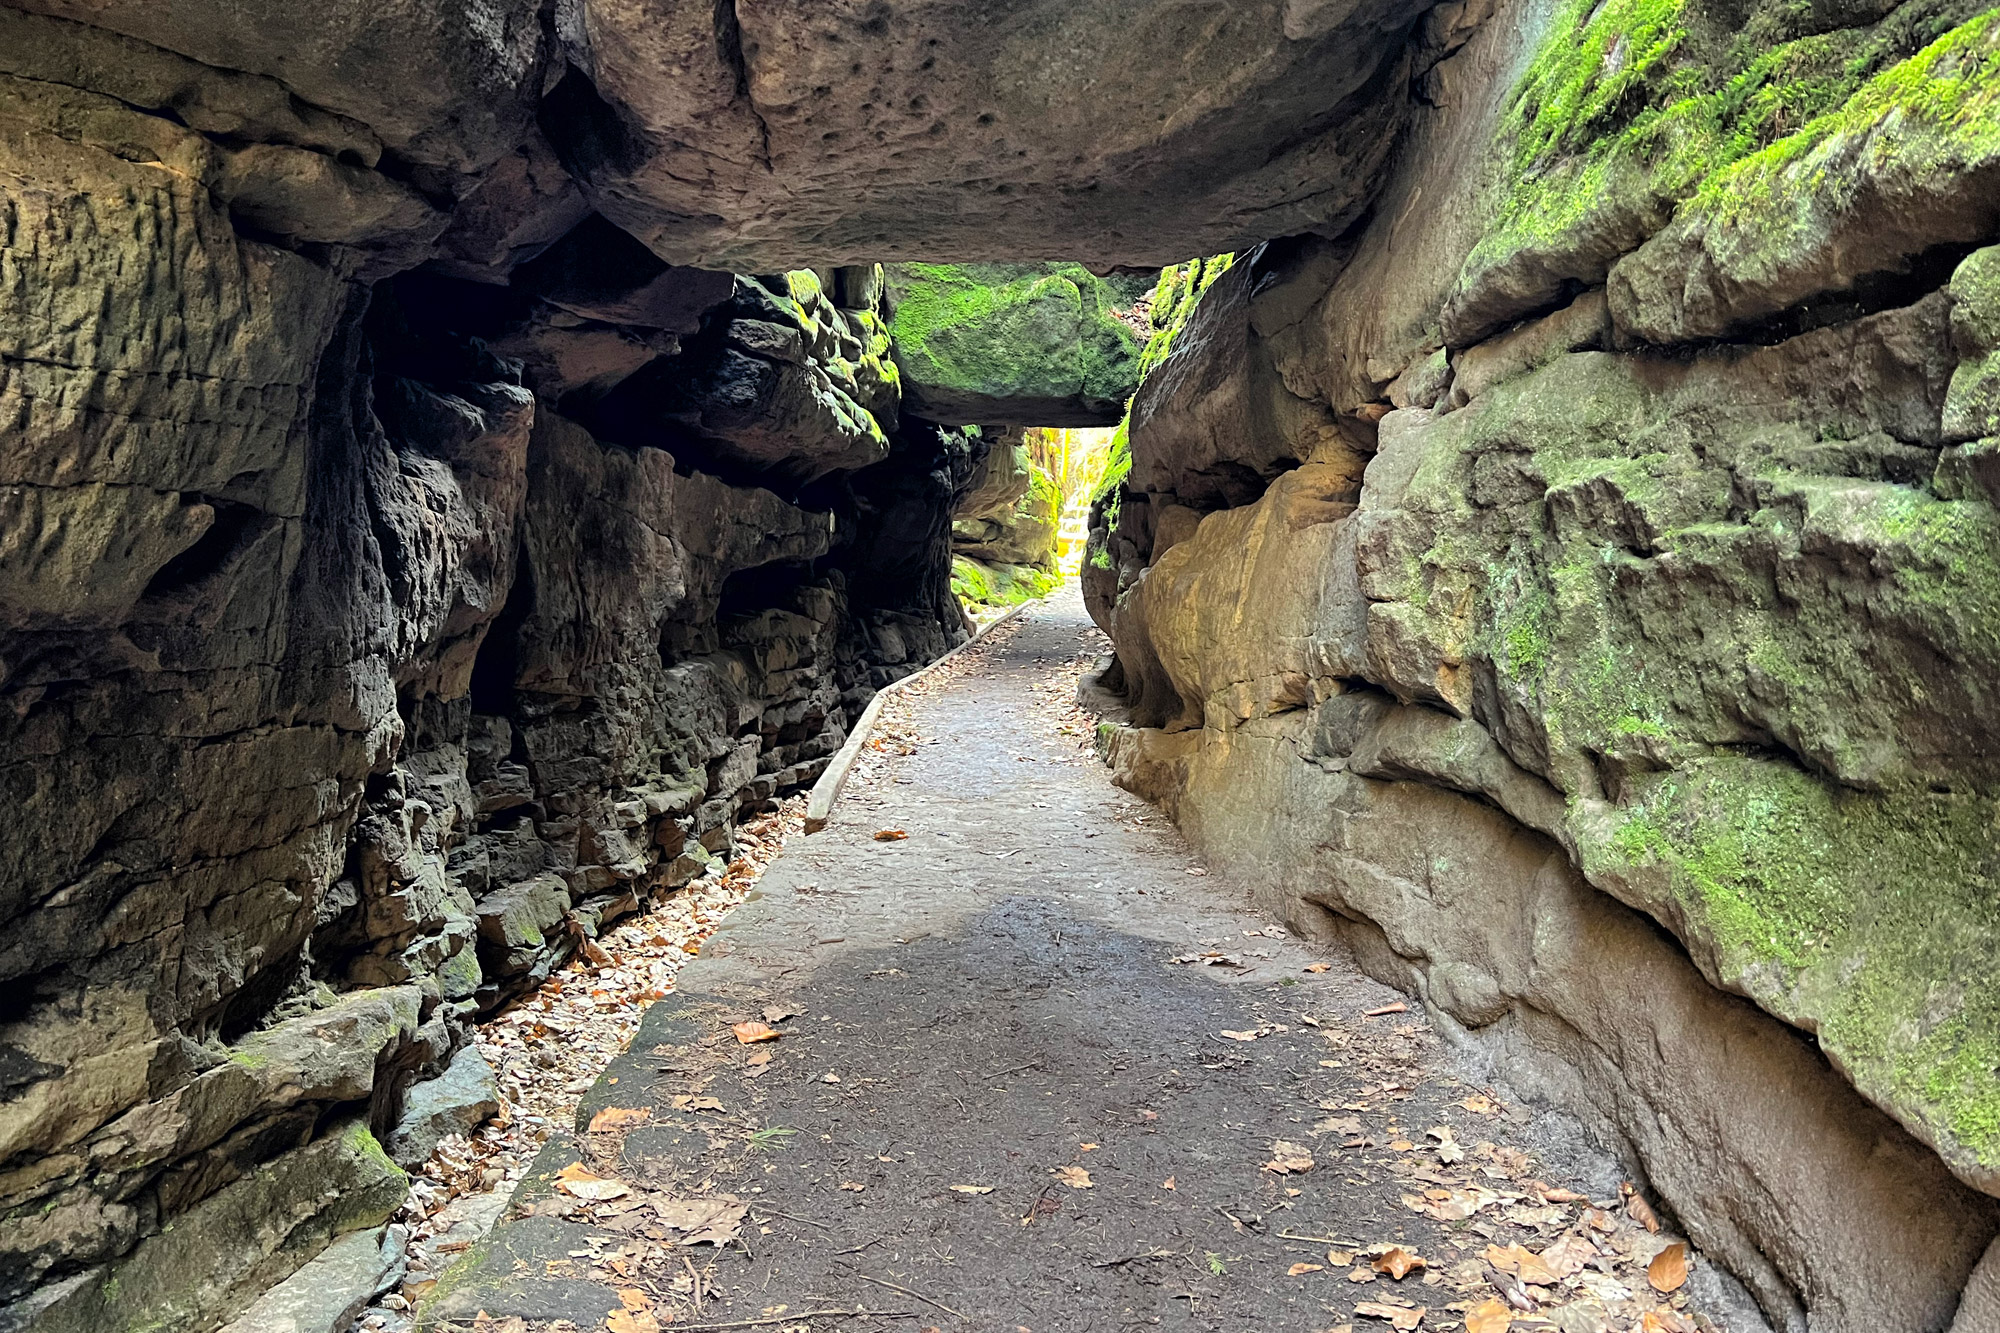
819	806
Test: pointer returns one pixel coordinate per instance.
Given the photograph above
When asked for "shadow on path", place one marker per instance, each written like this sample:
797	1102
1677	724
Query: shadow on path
1001	1099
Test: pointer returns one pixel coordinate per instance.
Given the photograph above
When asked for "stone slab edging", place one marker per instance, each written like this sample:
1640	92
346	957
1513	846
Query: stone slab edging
819	806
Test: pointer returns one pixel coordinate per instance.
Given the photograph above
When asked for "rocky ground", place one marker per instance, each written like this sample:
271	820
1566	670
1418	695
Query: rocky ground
996	1051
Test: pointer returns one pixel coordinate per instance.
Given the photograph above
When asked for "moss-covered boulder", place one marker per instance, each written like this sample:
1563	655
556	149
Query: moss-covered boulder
1742	164
980	584
1015	344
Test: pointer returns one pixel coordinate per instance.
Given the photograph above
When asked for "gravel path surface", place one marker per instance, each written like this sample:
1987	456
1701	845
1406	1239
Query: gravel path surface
1038	1071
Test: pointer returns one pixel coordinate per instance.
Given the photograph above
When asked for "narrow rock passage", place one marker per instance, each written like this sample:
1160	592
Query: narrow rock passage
1038	1070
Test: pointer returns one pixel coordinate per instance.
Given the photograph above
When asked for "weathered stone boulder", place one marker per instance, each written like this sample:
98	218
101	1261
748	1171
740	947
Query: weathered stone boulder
458	1101
222	1254
856	134
1013	344
329	1293
785	389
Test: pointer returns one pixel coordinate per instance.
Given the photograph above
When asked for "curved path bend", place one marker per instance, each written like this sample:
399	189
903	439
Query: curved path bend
1001	1101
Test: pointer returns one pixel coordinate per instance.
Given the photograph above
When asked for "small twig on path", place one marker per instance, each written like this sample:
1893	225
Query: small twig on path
772	1212
1032	1064
883	1282
856	1249
800	1317
694	1278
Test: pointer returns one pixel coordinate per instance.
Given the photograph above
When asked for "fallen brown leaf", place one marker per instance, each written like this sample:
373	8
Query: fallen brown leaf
1403	1317
1167	1184
1073	1176
1397	1262
1641	1211
1489	1316
853	1186
1289	1159
753	1031
619	1117
1523	1263
972	1189
1568	1256
1669	1270
1250	1035
574	1179
706	1221
1300	1270
1479	1105
690	1103
1319	967
891	835
632	1321
1358	1275
634	1299
1339	1258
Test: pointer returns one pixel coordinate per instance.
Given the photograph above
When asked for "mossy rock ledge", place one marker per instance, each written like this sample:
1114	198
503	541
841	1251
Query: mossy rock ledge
1014	344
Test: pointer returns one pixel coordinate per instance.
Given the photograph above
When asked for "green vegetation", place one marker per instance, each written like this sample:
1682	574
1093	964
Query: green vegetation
1879	911
1173	302
770	1138
980	584
1941	103
1631	106
1011	331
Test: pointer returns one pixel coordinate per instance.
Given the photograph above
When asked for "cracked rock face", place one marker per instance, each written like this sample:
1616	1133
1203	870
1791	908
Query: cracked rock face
1130	133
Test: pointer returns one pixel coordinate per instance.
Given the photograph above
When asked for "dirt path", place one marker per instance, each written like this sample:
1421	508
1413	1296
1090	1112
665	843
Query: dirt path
1040	1072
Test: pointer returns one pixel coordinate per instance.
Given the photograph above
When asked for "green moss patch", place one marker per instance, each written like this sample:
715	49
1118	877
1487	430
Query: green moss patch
977	583
1629	107
1871	918
994	334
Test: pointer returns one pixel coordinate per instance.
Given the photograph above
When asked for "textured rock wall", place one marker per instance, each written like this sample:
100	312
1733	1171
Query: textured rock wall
1574	588
372	635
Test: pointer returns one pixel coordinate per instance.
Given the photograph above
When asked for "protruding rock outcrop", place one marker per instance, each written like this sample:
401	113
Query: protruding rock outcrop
1039	129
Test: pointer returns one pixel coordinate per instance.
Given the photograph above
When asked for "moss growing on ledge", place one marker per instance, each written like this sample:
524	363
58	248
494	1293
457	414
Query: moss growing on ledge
1031	344
1629	107
1872	919
979	584
1949	90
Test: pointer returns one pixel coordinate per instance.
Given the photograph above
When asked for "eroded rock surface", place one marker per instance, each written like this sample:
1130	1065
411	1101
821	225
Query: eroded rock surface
1038	129
1633	596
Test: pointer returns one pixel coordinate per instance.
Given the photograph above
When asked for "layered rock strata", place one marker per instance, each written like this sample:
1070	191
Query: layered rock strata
372	635
1574	589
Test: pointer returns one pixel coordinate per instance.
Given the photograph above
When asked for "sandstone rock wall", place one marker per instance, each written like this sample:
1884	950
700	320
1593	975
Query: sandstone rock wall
1574	588
370	636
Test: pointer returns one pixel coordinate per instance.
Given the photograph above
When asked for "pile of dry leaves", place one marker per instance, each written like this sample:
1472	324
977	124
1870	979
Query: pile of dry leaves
549	1049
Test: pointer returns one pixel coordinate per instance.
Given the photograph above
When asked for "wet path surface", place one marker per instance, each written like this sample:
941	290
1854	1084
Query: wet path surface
1037	1071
